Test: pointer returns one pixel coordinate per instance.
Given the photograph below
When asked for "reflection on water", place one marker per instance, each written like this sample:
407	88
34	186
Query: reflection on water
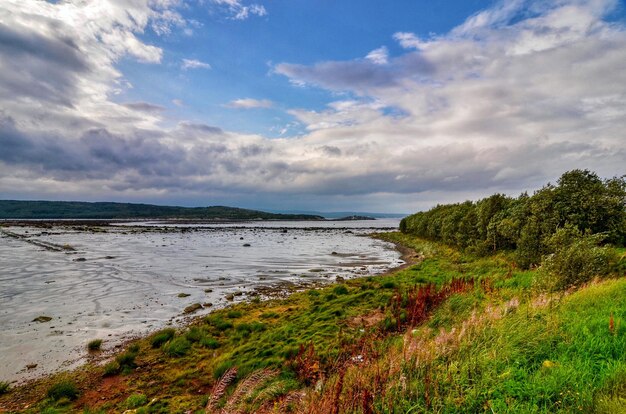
126	280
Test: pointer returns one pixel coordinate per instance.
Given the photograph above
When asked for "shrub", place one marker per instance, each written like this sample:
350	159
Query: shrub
177	347
576	259
136	400
94	345
4	387
63	389
161	337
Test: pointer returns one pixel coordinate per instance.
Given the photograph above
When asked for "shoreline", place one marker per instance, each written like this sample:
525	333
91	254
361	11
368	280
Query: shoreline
279	292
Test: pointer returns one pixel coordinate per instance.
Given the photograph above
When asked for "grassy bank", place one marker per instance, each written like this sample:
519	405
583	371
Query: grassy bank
450	333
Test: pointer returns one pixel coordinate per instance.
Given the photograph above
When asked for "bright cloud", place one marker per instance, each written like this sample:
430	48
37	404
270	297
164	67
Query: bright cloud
194	64
249	103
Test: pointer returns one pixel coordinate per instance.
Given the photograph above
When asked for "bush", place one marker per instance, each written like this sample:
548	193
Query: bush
177	347
63	389
94	345
161	337
136	400
4	387
576	259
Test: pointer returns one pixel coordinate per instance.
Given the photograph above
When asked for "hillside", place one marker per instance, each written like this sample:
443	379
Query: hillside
12	209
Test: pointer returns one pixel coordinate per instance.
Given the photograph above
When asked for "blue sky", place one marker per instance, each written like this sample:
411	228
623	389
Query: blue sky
316	105
241	55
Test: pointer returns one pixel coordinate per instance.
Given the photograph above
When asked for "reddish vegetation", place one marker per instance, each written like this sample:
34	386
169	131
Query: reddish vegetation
414	307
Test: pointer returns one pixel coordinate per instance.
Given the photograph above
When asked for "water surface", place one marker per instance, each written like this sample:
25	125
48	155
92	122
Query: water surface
125	280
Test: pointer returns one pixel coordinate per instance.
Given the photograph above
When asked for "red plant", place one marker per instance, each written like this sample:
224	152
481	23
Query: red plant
306	364
416	305
611	324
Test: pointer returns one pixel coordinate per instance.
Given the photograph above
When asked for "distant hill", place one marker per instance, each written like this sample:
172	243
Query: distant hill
13	209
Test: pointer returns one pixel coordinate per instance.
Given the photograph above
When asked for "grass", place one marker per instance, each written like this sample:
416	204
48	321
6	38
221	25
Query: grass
495	343
4	387
94	345
63	389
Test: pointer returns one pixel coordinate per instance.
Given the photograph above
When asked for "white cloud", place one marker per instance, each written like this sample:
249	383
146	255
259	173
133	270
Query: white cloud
239	11
249	103
379	56
408	40
194	64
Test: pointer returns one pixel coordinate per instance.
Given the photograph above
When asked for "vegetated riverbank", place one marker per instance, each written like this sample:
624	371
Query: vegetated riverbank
450	332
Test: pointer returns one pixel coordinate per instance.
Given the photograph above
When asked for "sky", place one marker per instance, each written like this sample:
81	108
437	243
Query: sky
324	105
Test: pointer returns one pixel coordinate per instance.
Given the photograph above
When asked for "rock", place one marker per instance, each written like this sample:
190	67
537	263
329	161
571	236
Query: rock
183	295
80	259
208	290
193	308
339	279
334	253
238	293
230	297
246	245
31	366
42	319
208	305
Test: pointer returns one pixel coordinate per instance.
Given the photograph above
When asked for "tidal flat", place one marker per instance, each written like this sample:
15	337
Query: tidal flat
63	285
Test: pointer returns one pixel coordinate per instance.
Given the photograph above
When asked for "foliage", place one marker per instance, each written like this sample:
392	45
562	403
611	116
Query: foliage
4	387
576	258
526	224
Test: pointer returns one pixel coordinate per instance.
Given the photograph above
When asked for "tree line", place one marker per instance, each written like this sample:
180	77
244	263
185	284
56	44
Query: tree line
580	208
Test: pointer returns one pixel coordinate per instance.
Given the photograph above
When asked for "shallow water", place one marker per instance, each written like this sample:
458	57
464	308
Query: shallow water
126	280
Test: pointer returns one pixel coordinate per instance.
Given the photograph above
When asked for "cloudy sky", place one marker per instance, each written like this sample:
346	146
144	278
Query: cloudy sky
324	105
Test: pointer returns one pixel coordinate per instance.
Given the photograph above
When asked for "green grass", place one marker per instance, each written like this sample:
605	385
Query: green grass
63	389
94	345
